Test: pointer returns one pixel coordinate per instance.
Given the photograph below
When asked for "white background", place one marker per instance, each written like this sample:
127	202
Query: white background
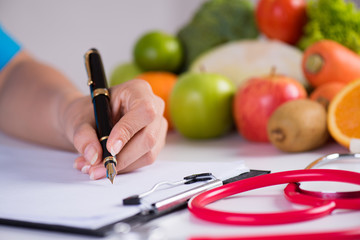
60	32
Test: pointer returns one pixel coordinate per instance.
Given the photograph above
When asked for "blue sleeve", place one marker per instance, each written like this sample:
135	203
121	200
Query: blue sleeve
8	48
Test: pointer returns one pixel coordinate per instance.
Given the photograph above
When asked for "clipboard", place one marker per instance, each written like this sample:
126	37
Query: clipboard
48	170
133	221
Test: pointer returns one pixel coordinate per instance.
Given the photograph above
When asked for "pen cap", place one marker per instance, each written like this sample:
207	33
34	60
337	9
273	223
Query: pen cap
95	68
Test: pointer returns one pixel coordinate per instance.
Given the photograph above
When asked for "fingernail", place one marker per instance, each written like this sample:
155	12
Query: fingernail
90	154
92	176
85	169
79	165
115	148
97	173
93	160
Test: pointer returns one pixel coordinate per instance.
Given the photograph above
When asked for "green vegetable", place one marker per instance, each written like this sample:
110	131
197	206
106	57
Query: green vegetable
217	22
337	20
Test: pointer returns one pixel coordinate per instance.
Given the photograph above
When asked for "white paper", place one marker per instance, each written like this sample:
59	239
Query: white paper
40	185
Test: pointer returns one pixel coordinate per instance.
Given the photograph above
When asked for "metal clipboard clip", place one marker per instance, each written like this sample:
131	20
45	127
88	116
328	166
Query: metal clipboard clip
178	198
175	201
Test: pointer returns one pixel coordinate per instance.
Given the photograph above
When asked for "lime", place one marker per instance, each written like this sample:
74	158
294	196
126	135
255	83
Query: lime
123	73
158	51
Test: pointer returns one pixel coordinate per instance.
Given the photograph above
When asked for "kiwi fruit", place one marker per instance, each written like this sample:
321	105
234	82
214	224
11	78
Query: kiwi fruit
298	126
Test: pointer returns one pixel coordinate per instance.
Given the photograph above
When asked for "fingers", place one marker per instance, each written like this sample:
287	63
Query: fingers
98	171
87	143
140	107
130	158
79	163
82	165
149	157
79	128
137	136
149	137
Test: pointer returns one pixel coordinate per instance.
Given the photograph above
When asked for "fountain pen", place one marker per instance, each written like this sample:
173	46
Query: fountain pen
100	96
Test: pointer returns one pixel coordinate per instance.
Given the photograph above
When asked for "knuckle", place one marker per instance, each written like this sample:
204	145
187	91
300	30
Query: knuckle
161	104
149	158
138	83
149	111
143	83
150	140
165	123
120	165
126	131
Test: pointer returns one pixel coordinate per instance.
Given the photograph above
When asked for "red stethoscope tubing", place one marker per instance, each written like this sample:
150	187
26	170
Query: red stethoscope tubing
343	200
197	205
350	234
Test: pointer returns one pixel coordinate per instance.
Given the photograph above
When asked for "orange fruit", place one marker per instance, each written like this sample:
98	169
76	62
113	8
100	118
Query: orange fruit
344	114
326	92
162	84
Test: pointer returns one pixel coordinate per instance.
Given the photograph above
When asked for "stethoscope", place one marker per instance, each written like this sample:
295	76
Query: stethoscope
321	203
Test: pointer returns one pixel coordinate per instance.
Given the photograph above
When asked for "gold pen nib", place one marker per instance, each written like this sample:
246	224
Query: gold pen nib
110	172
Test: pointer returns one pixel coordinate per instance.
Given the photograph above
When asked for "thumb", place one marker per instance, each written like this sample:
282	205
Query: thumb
87	143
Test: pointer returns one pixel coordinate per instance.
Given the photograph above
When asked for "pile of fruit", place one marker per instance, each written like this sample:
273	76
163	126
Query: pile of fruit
283	71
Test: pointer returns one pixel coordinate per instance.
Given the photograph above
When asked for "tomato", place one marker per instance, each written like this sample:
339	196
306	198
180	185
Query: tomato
283	20
201	105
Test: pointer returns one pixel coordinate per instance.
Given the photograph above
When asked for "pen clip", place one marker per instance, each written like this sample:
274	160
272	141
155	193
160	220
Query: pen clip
95	70
87	65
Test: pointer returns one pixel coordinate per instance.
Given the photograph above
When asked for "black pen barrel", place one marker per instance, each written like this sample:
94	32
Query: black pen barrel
100	95
103	120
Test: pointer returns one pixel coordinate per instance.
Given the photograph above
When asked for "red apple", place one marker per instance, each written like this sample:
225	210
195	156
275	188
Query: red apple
258	98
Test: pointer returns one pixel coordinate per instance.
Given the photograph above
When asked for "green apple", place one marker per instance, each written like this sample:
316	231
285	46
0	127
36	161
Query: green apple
123	73
201	105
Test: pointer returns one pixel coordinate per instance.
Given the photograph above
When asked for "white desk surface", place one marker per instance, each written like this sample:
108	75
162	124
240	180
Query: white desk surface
182	224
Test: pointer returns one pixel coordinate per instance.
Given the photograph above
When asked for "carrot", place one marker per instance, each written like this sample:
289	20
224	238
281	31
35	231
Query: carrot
328	61
326	92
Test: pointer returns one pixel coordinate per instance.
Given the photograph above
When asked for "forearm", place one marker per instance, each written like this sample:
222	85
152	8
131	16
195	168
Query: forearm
32	111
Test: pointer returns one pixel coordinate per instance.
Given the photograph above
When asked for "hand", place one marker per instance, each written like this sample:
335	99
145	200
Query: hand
138	134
